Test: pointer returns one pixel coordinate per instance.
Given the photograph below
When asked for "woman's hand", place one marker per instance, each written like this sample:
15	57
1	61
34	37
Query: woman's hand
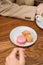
40	9
12	59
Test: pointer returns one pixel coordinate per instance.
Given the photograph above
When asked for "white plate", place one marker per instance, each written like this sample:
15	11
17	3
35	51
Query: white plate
18	31
39	24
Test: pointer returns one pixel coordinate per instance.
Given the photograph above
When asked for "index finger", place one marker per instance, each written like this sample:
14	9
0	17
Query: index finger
21	56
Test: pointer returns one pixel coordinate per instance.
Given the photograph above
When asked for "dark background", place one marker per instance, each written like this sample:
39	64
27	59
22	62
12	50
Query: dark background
38	2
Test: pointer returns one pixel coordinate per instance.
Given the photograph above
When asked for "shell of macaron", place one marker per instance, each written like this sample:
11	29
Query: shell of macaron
21	39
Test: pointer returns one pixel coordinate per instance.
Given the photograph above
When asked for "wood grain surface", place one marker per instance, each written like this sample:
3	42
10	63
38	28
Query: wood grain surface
34	53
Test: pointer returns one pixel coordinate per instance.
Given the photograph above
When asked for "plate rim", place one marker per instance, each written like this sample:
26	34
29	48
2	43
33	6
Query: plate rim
23	45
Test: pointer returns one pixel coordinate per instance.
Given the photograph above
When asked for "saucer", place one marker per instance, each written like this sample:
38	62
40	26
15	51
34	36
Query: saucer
39	24
18	31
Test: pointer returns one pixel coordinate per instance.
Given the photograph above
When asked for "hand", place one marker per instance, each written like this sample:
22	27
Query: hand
12	58
40	8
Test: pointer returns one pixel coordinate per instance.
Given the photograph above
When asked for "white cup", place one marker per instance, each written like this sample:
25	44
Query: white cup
39	18
39	21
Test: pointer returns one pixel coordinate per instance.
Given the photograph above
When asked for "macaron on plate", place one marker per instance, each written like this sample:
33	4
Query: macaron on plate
19	39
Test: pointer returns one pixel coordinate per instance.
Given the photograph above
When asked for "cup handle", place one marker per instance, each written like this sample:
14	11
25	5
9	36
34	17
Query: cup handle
37	17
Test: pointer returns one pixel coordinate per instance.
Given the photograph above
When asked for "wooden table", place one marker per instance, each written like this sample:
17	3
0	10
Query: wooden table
34	53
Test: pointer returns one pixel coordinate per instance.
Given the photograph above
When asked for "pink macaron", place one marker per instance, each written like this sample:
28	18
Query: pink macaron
21	39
